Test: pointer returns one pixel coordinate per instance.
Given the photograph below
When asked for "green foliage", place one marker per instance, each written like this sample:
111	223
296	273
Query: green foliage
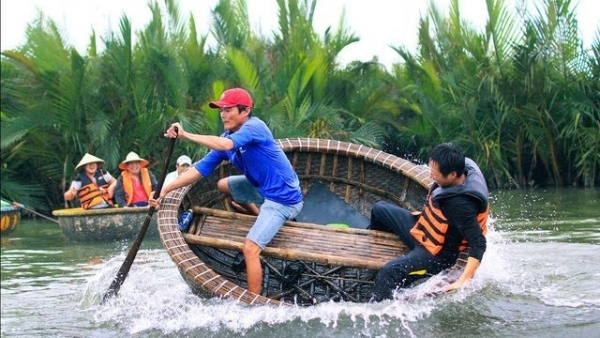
513	99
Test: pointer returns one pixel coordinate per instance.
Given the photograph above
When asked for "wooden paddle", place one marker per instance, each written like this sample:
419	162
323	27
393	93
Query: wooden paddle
124	270
22	206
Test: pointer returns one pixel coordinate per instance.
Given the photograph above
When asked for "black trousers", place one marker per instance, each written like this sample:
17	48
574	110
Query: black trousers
417	263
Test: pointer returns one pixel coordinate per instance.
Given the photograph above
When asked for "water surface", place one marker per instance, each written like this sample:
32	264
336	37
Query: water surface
539	278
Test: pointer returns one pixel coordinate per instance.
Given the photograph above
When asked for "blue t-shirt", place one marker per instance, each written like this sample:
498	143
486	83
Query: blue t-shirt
260	159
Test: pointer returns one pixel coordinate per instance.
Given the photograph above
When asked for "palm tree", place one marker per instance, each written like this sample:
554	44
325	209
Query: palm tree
48	129
289	75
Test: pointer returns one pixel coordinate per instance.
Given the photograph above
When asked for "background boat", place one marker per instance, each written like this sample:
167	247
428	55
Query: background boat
307	262
108	224
10	216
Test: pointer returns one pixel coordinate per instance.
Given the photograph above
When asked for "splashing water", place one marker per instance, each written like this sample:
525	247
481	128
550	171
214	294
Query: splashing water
539	278
154	297
532	279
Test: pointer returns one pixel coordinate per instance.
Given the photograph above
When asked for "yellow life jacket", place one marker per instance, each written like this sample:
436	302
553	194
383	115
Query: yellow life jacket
431	227
128	184
90	194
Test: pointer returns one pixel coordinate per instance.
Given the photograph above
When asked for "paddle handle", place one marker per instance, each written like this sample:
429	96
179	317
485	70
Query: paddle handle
115	286
36	213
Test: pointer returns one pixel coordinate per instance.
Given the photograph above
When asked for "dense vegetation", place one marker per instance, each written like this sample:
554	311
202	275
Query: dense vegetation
521	97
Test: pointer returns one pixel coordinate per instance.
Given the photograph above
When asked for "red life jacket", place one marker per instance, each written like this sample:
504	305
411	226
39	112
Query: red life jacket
128	184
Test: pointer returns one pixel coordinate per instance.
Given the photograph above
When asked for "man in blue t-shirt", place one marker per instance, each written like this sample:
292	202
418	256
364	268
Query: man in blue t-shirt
268	179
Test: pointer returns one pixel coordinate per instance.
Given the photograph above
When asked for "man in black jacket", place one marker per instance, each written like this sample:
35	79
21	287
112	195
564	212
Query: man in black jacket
454	218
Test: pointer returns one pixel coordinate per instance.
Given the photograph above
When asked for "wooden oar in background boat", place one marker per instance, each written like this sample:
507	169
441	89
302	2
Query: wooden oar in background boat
124	270
22	206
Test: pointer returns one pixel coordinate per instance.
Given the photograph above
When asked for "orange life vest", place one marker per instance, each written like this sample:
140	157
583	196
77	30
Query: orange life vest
128	184
431	227
90	194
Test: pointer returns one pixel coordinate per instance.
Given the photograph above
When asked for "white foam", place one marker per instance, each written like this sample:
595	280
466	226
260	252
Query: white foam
155	297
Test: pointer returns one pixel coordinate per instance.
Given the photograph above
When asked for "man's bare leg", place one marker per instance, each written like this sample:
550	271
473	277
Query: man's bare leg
246	208
253	267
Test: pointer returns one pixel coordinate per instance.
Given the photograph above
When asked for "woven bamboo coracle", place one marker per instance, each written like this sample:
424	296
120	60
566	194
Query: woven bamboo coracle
306	263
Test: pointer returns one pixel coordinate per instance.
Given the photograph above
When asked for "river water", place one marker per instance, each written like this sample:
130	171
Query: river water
540	277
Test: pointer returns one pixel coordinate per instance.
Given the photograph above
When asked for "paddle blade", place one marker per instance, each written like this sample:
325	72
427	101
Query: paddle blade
115	286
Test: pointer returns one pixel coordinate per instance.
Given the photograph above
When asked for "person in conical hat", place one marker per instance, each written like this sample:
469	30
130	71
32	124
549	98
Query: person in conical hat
87	159
133	157
136	183
93	185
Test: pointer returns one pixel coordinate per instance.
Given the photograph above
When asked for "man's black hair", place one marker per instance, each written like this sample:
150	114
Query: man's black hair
241	107
449	157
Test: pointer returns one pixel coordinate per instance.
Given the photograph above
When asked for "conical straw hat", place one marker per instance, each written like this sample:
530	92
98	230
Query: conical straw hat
132	157
87	159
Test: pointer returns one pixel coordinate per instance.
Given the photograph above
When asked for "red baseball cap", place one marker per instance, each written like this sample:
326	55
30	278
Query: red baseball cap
231	98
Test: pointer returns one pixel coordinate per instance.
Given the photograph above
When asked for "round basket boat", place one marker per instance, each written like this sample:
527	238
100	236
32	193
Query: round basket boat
307	262
11	216
102	225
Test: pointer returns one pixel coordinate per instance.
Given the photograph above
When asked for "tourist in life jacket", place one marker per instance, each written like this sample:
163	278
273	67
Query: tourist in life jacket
136	183
454	218
93	185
